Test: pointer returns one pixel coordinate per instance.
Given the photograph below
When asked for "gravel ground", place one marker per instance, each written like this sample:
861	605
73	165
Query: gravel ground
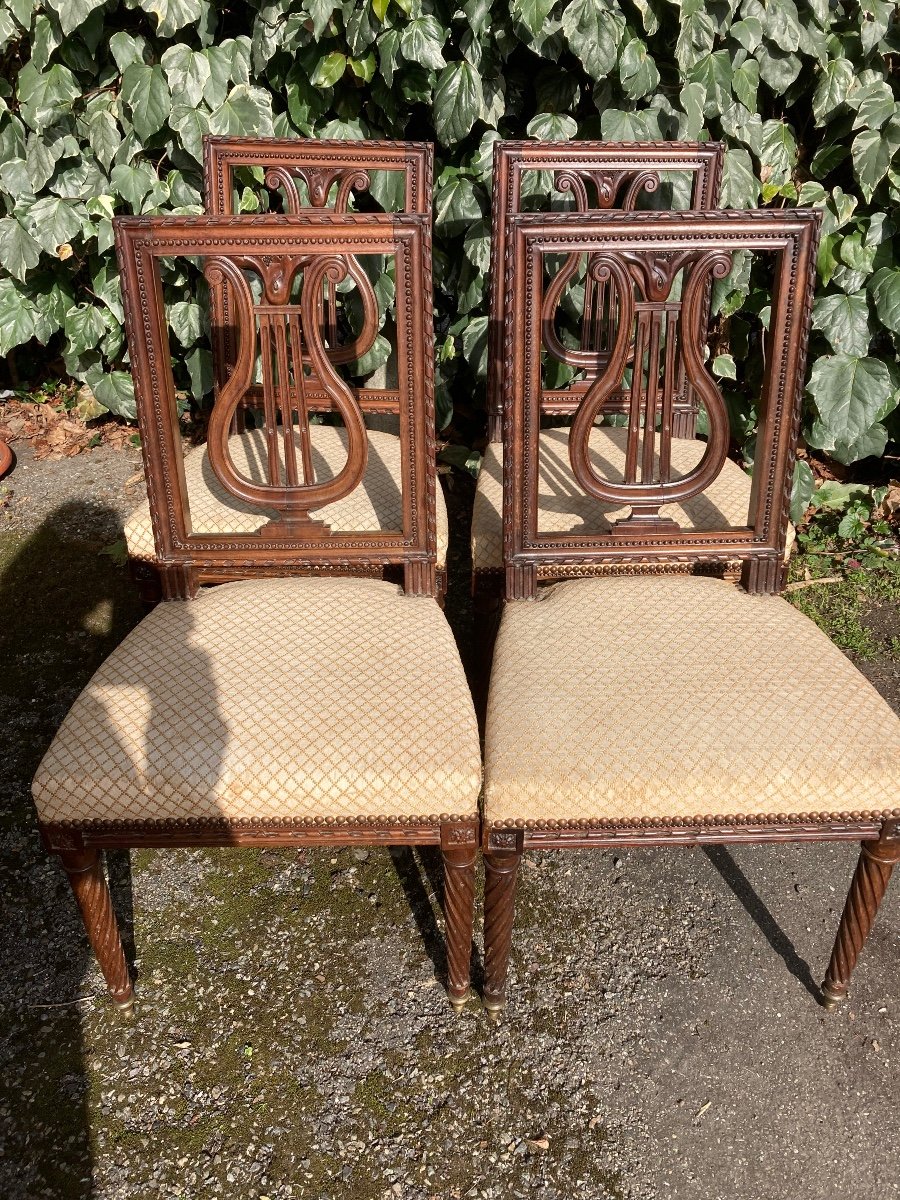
663	1037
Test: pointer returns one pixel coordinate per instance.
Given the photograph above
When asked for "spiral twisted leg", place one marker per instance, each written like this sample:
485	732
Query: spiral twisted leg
500	877
459	916
92	895
873	871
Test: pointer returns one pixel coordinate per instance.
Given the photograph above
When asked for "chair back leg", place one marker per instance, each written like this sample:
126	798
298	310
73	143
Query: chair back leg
873	872
501	871
95	903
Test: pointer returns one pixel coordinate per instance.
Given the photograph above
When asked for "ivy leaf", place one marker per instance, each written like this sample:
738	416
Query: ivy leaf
724	366
619	126
885	288
456	206
832	88
321	10
329	70
533	13
874	104
740	187
851	395
697	32
186	319
552	127
45	98
593	31
458	98
844	320
54	222
778	68
172	15
19	252
132	183
422	41
104	135
801	490
200	370
637	70
872	151
246	110
84	327
188	73
146	92
18	317
72	13
778	153
191	124
713	72
475	345
745	82
115	391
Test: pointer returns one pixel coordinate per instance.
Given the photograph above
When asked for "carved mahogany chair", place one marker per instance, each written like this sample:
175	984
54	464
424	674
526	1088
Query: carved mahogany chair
591	176
669	708
310	701
306	176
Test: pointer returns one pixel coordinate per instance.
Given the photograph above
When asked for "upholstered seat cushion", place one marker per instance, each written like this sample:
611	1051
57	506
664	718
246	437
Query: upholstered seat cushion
376	504
564	506
272	699
678	697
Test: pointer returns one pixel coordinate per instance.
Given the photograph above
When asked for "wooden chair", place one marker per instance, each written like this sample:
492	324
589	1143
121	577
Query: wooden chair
310	702
594	176
305	176
669	709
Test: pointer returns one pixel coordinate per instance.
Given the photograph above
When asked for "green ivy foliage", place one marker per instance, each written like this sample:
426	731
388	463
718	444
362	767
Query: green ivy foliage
103	106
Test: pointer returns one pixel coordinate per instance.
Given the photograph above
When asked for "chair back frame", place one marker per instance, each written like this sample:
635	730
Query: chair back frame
644	252
330	170
276	248
600	176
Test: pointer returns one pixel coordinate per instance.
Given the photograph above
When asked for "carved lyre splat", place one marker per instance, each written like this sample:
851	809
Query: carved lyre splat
653	333
595	189
292	353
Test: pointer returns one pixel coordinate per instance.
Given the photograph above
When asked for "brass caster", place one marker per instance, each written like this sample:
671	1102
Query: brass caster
494	1010
458	1003
830	999
125	1008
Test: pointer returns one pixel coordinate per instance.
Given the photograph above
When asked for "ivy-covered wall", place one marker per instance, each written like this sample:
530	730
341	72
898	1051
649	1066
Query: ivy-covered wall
103	105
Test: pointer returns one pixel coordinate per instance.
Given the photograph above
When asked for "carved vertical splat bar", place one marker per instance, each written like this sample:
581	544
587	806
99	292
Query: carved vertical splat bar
650	403
285	402
668	390
300	397
269	410
634	408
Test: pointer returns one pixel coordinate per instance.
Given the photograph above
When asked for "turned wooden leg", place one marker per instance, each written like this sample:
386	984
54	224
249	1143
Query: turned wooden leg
500	876
873	871
92	894
459	909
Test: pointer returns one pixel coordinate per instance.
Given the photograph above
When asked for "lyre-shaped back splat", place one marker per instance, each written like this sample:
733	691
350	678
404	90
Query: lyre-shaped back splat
291	352
651	331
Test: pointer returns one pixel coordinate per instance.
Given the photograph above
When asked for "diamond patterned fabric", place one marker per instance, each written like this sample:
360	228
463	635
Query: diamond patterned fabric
376	504
564	507
278	698
678	697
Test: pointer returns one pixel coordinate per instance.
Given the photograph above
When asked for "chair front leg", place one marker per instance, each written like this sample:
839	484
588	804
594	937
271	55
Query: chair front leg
459	845
92	895
501	868
873	872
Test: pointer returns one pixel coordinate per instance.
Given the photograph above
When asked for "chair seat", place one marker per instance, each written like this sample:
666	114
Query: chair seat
375	505
564	506
275	699
678	698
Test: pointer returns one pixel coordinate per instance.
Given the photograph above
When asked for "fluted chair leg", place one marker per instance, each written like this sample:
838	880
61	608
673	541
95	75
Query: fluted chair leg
873	872
88	882
459	917
500	877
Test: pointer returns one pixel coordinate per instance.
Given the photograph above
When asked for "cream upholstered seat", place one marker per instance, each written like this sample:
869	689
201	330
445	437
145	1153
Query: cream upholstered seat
375	505
272	699
564	506
676	697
